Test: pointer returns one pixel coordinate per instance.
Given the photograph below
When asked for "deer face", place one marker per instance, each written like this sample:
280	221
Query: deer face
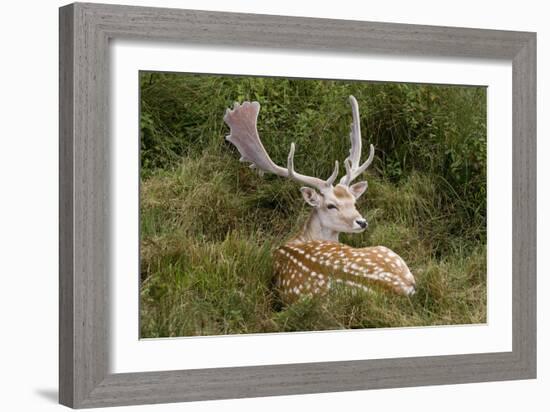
336	208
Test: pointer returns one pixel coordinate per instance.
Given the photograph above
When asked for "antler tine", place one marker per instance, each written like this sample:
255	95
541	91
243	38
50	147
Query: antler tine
308	180
334	174
352	174
244	136
353	170
355	133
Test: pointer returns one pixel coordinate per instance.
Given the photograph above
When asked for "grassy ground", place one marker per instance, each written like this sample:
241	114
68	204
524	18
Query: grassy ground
209	224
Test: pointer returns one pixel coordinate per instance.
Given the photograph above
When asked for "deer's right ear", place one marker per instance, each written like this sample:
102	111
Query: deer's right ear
311	197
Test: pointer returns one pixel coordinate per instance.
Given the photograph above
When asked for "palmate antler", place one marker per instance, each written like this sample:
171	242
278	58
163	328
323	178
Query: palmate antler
244	135
353	170
242	121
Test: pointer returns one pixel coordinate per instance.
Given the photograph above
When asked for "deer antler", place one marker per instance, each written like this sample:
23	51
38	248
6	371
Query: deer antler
353	170
242	121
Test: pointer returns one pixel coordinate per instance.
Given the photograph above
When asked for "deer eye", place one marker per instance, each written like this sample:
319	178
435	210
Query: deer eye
331	206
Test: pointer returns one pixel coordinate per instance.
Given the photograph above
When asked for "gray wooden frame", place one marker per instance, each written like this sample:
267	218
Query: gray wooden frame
85	31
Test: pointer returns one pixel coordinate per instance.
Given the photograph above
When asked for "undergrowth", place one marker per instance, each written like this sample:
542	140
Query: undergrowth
208	224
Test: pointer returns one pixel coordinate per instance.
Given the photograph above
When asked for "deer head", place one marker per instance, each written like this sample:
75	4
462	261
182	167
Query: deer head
334	206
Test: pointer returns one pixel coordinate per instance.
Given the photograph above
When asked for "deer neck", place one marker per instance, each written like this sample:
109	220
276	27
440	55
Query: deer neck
313	230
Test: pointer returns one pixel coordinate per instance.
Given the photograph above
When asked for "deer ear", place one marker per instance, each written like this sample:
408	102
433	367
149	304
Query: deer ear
311	197
358	189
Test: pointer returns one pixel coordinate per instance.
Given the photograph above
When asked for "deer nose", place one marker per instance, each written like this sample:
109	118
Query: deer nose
362	223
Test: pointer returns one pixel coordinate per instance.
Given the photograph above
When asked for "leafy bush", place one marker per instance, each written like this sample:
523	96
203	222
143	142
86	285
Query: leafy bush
208	223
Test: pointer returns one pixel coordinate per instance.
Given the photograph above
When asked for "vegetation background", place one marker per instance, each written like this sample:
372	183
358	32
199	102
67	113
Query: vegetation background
209	224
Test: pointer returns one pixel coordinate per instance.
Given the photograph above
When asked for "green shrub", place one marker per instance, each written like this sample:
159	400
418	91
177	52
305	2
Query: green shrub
208	224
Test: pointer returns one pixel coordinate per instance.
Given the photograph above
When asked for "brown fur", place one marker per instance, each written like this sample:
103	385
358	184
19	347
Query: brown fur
310	268
342	193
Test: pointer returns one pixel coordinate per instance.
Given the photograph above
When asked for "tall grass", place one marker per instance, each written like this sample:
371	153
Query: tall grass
209	224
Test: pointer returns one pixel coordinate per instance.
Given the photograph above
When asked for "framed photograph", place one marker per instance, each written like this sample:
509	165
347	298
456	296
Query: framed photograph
256	205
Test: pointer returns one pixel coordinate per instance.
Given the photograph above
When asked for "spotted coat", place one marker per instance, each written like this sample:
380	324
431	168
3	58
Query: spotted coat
312	267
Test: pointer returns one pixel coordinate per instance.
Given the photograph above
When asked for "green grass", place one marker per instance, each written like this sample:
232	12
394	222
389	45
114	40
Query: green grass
209	224
206	263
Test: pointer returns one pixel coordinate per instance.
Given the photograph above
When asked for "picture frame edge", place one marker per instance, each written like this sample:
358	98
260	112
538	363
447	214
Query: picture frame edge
84	381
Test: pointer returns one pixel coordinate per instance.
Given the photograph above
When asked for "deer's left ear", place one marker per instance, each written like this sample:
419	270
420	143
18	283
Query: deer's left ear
358	189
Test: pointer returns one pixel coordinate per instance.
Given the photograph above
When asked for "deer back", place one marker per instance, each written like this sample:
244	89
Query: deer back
313	267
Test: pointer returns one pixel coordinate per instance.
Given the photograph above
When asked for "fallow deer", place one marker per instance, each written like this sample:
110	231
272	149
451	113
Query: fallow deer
312	261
